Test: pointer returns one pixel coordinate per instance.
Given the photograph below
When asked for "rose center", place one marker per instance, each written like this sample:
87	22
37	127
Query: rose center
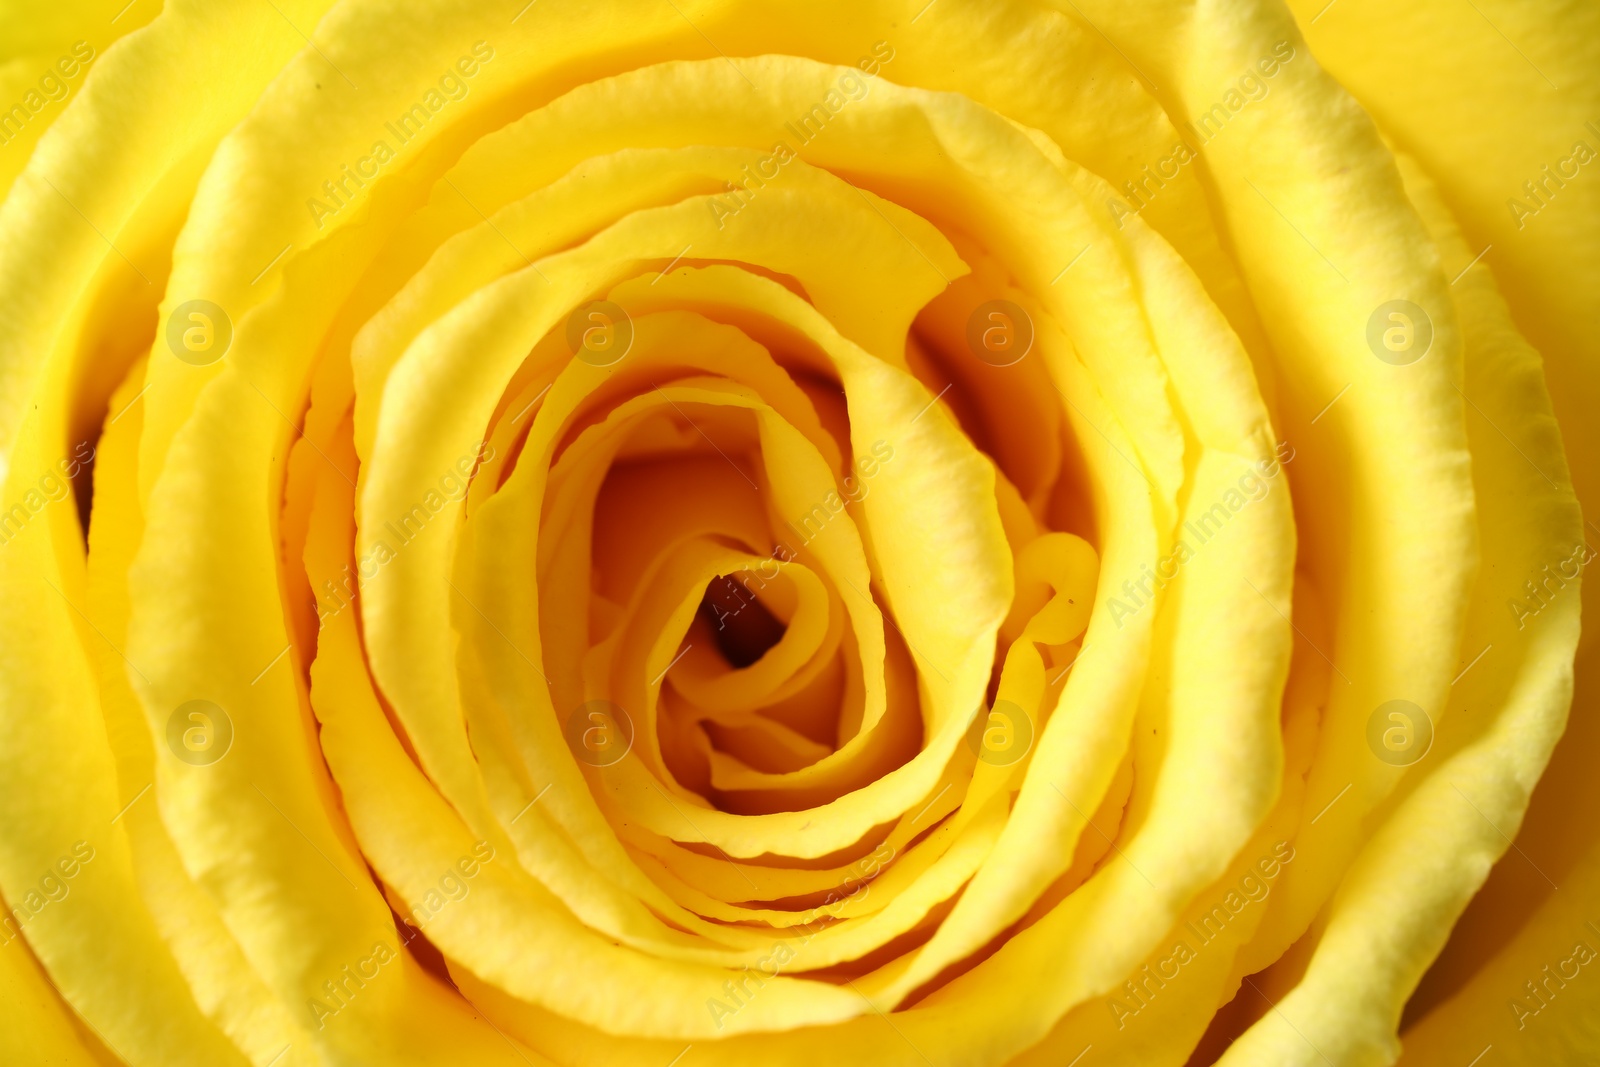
743	627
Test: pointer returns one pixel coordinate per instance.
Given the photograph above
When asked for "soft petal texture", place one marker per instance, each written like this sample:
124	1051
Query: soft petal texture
643	618
1506	92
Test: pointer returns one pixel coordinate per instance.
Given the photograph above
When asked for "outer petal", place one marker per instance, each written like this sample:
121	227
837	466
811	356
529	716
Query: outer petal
1502	96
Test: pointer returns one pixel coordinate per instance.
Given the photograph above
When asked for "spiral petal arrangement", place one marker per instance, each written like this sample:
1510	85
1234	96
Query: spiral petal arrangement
707	533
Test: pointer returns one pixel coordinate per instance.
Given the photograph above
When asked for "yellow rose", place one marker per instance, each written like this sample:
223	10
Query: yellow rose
703	533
